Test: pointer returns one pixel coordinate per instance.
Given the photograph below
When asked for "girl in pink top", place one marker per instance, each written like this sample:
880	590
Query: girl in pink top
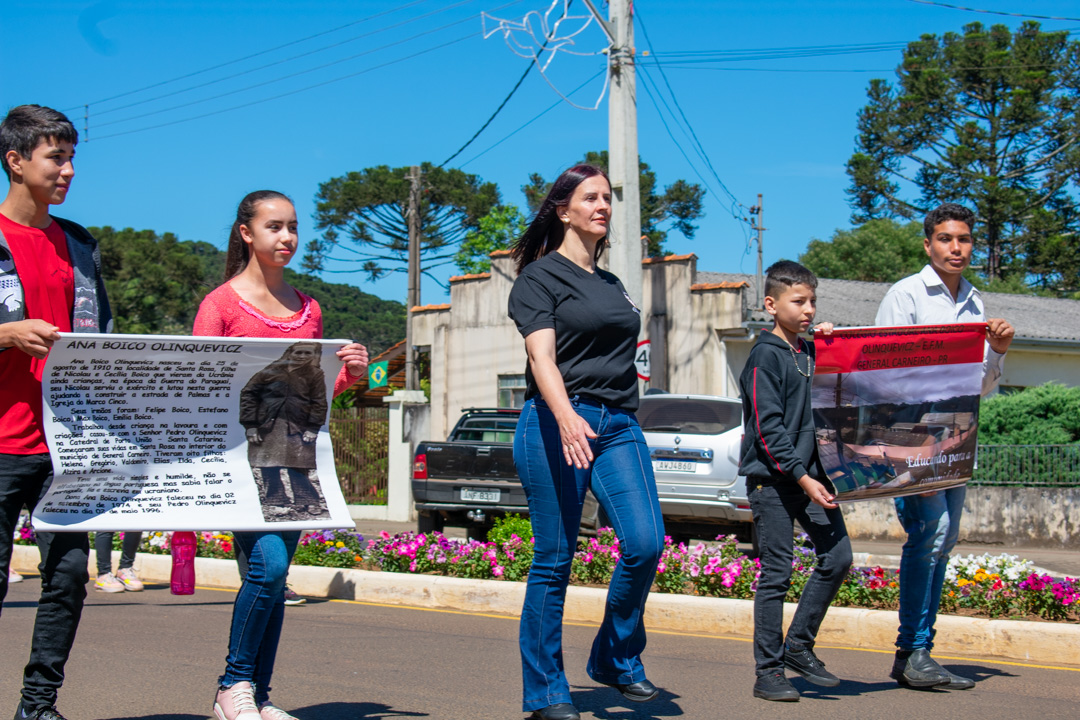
255	301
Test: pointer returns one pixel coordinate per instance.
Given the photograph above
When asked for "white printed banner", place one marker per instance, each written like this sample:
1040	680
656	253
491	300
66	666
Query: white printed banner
190	433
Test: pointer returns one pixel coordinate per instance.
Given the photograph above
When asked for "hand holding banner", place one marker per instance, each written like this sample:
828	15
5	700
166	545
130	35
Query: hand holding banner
896	409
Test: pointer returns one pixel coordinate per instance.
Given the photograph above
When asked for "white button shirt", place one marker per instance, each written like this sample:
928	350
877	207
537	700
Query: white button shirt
923	299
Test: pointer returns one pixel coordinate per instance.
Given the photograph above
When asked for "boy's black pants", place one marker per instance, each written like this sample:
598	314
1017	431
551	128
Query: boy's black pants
776	508
24	479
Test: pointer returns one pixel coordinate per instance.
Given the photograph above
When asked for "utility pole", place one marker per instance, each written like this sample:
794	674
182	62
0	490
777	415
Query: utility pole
625	229
757	225
411	381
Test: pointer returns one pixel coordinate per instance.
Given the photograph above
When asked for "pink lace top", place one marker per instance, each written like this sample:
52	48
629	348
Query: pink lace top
223	313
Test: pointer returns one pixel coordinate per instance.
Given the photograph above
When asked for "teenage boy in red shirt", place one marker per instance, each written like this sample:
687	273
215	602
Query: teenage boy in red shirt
50	282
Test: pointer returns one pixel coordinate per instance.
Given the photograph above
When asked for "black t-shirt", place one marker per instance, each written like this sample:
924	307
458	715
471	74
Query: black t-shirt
596	327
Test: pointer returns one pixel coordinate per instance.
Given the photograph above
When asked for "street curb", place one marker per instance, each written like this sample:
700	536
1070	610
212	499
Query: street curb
1035	642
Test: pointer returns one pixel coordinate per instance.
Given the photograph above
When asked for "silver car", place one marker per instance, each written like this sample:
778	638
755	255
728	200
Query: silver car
694	441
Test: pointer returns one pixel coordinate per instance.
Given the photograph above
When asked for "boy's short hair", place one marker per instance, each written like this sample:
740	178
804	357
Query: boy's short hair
944	213
785	273
27	125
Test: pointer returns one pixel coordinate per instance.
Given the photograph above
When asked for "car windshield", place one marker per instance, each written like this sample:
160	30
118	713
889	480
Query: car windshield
692	416
487	428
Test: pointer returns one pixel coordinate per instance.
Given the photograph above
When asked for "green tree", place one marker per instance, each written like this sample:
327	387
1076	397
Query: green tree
677	208
497	230
987	118
369	208
154	281
880	250
1046	414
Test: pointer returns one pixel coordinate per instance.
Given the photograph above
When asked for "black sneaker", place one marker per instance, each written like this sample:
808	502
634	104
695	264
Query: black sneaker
776	687
806	663
40	713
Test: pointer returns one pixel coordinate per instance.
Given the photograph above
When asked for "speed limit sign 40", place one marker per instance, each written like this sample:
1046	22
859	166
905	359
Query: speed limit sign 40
641	360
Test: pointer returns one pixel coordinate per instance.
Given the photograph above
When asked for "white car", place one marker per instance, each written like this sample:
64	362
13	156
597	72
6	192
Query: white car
694	442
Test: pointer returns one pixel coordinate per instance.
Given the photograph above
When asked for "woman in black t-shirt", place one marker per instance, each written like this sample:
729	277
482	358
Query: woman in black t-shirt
577	429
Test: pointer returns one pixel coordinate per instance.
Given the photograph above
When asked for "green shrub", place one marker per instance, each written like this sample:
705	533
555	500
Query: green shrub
507	526
1043	415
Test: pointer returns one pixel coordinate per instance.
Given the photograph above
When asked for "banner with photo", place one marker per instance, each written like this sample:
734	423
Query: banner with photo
190	433
896	409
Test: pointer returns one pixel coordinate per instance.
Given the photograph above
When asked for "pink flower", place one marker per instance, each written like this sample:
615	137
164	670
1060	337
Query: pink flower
497	571
384	535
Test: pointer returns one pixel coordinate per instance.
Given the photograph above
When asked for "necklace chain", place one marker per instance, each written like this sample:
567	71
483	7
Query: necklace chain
809	362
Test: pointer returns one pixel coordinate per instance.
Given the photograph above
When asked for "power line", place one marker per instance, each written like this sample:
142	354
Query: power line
292	92
682	114
253	55
544	112
483	127
501	105
993	12
317	50
284	77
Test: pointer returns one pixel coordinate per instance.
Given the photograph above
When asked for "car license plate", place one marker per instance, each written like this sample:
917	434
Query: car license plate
674	466
478	495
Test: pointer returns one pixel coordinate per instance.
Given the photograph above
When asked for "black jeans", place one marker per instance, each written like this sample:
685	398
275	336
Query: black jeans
776	507
103	545
24	479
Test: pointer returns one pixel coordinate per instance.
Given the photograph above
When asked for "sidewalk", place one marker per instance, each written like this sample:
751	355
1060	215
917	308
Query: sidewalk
1058	562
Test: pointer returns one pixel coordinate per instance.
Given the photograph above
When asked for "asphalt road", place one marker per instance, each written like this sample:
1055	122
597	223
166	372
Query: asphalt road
152	656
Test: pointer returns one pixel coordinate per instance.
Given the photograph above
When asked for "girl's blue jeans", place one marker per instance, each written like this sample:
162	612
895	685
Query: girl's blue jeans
622	480
259	609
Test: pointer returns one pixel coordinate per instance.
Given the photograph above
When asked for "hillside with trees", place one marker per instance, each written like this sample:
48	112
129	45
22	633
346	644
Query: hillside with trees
156	282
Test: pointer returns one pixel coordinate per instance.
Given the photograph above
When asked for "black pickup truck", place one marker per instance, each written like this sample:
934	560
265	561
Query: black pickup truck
470	479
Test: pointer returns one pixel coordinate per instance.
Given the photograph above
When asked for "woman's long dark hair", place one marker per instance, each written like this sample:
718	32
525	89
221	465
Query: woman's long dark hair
545	233
236	259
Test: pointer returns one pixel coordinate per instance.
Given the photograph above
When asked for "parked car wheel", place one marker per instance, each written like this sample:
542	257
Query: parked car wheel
428	522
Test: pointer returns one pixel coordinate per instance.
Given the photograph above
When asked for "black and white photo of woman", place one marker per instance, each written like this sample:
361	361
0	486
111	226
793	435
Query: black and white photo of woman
282	408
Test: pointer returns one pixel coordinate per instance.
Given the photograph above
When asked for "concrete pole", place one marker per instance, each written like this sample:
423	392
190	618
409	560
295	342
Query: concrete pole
626	247
411	381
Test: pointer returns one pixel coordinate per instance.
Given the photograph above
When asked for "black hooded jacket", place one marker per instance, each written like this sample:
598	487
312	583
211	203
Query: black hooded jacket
778	425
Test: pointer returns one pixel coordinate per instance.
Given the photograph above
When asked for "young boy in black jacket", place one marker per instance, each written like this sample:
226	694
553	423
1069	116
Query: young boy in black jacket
784	484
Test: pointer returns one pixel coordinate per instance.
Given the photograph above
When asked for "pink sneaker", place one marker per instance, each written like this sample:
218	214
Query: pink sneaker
108	583
236	703
129	579
269	711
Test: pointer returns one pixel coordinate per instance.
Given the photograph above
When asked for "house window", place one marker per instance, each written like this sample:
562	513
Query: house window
511	391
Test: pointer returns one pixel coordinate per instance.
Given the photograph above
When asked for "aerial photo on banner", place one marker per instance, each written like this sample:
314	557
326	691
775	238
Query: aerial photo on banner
896	409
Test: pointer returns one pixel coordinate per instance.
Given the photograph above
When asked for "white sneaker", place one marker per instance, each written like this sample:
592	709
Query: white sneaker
236	703
13	577
108	583
269	711
129	579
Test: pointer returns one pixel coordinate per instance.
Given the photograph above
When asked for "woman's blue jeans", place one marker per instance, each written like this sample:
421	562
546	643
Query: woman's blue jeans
933	526
259	609
622	480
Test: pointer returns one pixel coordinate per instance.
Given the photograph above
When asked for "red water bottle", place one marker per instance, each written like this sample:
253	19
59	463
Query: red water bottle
183	563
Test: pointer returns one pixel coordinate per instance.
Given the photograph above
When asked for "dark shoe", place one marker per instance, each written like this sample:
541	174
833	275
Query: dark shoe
807	664
915	668
40	713
642	691
776	687
558	711
957	682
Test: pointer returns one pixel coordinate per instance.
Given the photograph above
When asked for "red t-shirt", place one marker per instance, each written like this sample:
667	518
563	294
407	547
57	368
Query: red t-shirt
44	269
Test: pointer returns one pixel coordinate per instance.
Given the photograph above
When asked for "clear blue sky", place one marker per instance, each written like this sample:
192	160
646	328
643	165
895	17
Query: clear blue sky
782	127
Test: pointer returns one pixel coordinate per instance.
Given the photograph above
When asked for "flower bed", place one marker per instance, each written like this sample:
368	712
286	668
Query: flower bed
985	585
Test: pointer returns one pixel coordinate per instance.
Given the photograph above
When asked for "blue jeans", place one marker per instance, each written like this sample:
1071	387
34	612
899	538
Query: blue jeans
259	609
622	480
933	527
